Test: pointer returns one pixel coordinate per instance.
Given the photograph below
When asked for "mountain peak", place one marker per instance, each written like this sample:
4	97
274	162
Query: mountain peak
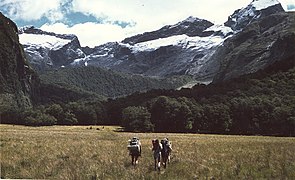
256	9
191	26
47	49
191	19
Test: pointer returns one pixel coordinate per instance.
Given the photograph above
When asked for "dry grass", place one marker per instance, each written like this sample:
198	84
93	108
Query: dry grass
79	152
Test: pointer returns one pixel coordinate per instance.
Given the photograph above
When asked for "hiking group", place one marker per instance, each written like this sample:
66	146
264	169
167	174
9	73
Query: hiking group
161	151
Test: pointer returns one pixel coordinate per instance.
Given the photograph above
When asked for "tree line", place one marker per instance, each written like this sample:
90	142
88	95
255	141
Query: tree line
262	103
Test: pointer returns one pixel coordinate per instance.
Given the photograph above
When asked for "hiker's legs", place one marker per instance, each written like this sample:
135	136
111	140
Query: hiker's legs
132	159
159	162
164	159
136	160
157	158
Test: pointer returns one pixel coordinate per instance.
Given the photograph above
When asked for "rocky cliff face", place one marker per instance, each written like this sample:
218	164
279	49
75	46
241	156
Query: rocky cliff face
257	9
17	79
257	46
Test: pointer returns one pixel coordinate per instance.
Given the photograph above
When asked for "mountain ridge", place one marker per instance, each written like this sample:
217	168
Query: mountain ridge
133	58
48	50
193	46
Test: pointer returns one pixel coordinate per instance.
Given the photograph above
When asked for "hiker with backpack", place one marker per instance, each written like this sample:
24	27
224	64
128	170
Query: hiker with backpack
157	148
134	148
166	151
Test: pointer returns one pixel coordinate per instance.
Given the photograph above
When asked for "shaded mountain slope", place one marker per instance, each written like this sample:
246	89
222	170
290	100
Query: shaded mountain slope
108	83
18	82
257	46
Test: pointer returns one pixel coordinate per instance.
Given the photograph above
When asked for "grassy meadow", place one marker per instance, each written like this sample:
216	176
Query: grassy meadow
81	152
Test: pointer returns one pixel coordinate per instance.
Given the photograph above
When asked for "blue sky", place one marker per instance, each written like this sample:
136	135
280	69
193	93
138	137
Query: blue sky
99	21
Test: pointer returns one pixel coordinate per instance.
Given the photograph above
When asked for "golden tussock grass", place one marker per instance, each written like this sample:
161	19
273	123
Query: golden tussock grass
81	152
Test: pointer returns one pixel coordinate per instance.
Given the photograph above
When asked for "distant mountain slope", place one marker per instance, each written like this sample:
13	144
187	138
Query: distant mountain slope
255	10
47	50
191	27
182	48
106	82
252	38
257	46
260	103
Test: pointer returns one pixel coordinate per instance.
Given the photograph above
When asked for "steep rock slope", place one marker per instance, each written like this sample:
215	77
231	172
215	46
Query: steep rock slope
255	10
18	81
258	45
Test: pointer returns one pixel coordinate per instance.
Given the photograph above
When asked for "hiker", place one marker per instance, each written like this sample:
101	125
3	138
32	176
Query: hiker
166	151
157	148
134	148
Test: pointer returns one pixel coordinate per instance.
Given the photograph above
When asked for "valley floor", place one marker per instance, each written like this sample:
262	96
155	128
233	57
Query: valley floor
97	152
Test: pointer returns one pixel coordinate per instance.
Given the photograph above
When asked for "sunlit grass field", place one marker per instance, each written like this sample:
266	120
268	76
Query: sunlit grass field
84	152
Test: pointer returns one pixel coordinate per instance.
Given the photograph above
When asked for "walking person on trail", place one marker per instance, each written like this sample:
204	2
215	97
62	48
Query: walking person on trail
166	151
134	147
157	148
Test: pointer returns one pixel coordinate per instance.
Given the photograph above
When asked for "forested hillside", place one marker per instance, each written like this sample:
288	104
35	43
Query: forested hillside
108	83
260	103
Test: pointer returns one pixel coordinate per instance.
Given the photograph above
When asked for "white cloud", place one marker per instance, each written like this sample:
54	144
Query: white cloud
146	15
153	14
30	10
158	13
90	34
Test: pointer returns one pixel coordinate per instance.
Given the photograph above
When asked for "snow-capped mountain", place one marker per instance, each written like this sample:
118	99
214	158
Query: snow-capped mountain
182	48
193	46
163	54
255	10
47	50
191	26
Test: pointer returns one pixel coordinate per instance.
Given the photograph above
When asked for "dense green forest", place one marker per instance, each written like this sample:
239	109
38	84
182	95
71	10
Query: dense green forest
107	83
261	103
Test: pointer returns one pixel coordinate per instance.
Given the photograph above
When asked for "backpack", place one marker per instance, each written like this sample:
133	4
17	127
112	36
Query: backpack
167	146
155	143
134	145
157	147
